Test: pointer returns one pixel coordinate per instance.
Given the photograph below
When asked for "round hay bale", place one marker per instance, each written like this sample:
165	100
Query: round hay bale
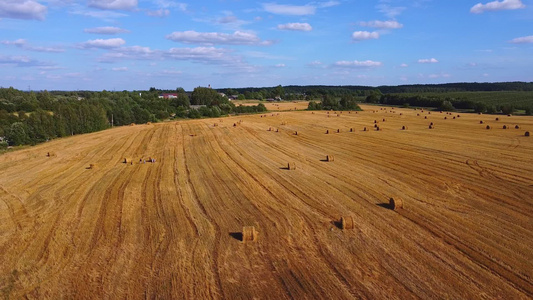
148	123
377	128
401	114
364	129
291	166
375	125
497	119
383	120
431	124
527	133
127	160
50	154
327	131
351	129
234	124
517	127
330	158
132	124
296	133
347	223
338	130
504	126
338	115
427	117
92	166
454	118
277	129
249	234
488	127
509	115
431	127
445	118
481	122
269	128
458	116
429	113
329	116
375	121
404	127
395	203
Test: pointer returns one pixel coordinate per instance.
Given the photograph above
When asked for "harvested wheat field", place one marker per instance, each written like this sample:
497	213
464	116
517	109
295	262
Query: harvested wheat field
181	227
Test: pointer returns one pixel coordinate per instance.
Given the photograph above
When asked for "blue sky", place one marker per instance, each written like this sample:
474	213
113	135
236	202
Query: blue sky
138	44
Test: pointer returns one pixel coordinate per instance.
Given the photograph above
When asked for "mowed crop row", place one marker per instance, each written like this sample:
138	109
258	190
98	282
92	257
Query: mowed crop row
173	228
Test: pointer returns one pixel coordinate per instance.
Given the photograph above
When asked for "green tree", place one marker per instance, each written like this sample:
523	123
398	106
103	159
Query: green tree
17	134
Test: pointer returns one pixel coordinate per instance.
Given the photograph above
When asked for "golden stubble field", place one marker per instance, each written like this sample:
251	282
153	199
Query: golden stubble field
171	229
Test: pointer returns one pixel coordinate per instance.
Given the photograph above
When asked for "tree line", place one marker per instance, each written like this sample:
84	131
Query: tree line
28	118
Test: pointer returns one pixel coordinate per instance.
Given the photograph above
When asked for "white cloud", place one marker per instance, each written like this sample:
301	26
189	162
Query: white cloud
23	44
315	63
120	69
18	43
364	35
404	65
280	66
102	44
22	9
382	24
20	61
390	11
294	10
113	4
200	54
427	61
523	40
497	5
172	4
105	30
295	27
358	64
328	4
101	14
160	13
216	38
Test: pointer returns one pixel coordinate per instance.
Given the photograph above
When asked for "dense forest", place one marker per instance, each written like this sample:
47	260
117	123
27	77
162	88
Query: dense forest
34	117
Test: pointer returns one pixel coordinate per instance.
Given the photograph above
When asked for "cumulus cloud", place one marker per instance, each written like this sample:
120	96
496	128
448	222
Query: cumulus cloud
382	24
295	27
364	35
293	10
197	54
105	30
404	65
280	66
358	64
427	61
22	9
496	6
523	40
113	4
102	43
120	69
23	44
216	38
172	4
